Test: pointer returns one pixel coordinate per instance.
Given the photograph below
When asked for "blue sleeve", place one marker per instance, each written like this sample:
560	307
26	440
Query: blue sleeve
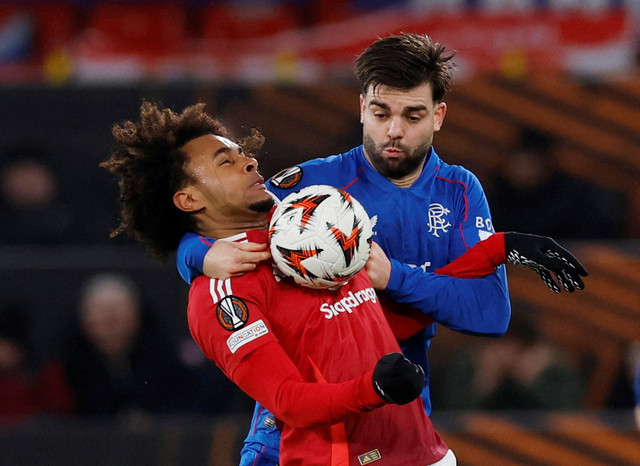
190	256
469	305
479	305
474	222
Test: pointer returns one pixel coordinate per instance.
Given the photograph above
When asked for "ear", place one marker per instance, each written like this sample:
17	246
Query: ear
362	108
187	199
440	112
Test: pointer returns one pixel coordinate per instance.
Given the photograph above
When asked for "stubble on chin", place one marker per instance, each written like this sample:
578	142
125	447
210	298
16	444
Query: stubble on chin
394	169
263	206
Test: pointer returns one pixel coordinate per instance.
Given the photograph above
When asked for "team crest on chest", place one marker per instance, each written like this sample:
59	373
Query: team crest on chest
374	222
438	219
287	178
232	313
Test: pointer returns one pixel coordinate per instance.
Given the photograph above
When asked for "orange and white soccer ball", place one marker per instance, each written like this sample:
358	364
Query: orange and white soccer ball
320	236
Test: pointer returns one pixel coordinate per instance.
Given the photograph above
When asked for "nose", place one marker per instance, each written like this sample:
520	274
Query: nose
251	165
396	129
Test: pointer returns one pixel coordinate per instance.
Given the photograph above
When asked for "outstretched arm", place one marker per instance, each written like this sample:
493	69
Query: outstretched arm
479	261
539	253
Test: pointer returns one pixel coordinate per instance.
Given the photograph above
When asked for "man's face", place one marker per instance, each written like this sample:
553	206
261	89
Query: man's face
227	183
398	127
111	319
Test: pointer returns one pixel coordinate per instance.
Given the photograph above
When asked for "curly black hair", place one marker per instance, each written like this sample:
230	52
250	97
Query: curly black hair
151	167
405	61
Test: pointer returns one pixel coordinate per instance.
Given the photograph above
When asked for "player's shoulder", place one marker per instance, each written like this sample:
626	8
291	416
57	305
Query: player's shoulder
347	158
331	170
454	173
250	284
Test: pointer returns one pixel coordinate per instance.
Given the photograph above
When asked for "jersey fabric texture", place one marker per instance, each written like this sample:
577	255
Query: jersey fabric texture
330	345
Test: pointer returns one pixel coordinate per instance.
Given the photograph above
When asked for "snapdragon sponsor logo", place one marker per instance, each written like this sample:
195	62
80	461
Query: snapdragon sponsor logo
349	302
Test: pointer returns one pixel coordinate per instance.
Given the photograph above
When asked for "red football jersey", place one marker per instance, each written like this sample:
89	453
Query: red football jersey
332	337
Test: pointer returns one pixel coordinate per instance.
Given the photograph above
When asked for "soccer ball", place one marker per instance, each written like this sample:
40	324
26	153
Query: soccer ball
320	236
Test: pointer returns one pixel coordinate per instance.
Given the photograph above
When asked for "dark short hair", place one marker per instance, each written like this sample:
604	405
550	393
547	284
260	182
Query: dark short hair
151	167
406	61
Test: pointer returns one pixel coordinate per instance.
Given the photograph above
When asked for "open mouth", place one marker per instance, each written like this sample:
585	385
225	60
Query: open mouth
259	184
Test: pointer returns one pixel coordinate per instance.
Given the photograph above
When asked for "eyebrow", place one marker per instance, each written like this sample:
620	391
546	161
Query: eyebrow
377	103
384	106
226	150
222	150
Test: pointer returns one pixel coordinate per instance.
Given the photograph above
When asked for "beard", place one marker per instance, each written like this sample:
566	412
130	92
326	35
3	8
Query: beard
395	168
263	206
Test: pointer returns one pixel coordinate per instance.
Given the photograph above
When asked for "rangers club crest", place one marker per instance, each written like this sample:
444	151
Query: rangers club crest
437	219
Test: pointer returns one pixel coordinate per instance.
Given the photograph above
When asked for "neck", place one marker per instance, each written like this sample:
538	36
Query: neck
217	230
408	180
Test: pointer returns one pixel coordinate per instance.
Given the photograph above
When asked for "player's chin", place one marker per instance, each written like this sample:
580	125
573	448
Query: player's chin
263	205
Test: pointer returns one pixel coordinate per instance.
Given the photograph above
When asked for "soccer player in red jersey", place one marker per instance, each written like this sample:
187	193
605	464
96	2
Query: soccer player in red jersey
339	386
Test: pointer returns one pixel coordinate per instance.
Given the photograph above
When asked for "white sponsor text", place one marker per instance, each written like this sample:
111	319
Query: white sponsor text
349	302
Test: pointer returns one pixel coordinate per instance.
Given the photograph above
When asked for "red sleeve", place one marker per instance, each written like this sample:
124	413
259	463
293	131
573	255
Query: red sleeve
479	261
270	377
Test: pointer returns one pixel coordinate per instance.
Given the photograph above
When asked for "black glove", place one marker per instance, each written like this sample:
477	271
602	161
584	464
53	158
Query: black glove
397	380
544	256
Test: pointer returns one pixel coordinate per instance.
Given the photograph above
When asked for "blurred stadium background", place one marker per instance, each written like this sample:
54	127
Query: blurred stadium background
70	69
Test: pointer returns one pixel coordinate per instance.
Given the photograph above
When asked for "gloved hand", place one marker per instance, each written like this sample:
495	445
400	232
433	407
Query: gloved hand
397	380
543	255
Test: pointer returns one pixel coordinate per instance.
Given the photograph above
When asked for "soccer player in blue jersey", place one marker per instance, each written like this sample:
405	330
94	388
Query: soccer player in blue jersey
425	212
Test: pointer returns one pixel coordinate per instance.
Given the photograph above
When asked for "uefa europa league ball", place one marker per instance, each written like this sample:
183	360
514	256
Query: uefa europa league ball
320	236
